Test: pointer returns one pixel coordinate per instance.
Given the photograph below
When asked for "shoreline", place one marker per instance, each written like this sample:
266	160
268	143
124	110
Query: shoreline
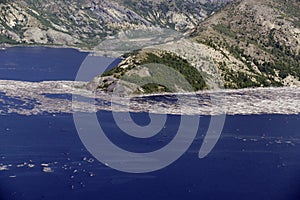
7	46
282	100
90	52
218	91
101	92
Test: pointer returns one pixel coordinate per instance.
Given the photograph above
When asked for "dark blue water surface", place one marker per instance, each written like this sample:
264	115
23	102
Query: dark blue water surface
43	63
234	170
257	156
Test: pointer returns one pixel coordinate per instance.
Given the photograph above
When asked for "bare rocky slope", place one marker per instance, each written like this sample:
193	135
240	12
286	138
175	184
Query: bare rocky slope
259	42
83	23
240	44
247	44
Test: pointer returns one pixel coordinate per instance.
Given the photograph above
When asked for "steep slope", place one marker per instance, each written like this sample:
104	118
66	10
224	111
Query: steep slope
83	23
63	22
259	41
252	43
181	15
247	44
150	71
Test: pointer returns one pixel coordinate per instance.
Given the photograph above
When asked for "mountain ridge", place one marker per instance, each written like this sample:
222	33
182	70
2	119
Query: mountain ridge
262	36
85	23
247	43
250	43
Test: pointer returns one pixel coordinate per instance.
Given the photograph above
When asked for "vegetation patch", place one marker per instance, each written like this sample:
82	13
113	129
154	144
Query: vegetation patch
167	72
190	73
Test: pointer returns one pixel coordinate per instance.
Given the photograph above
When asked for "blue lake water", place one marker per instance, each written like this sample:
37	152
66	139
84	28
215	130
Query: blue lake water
45	64
257	156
